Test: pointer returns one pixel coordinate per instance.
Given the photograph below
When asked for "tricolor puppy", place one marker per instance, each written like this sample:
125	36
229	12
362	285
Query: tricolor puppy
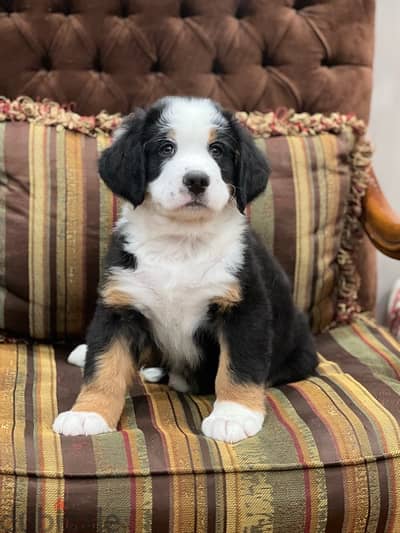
188	287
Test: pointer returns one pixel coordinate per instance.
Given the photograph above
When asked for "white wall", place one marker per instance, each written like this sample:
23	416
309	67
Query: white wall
385	127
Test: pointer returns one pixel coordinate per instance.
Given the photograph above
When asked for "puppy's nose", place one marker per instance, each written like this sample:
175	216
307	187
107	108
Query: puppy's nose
196	182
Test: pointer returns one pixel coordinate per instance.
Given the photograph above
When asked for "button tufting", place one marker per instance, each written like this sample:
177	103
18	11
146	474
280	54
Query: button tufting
97	62
326	62
241	11
266	60
67	8
155	67
259	62
46	62
184	10
6	5
301	4
217	67
124	10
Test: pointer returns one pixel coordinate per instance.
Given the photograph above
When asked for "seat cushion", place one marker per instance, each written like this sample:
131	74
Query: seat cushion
56	215
327	458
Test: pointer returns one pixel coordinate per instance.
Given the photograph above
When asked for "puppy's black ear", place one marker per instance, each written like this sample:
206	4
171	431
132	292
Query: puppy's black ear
122	165
251	167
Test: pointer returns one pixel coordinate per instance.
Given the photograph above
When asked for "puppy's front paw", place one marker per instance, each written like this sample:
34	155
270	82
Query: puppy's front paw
78	356
80	423
152	374
232	422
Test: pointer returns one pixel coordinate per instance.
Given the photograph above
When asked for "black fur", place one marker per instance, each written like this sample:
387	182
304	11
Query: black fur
251	169
133	160
122	165
268	339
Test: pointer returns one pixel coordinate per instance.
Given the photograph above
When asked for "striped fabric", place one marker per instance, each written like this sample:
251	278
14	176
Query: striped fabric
327	458
56	217
301	215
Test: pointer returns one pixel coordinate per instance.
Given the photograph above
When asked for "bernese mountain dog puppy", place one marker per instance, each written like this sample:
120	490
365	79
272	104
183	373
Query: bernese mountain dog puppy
188	287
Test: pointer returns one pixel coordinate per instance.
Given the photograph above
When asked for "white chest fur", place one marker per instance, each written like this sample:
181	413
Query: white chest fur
178	274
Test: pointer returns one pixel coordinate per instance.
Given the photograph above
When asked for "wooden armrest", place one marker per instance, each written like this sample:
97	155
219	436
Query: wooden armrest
380	222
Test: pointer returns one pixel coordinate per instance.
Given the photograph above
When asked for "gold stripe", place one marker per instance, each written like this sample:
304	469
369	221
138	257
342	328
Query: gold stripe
326	367
182	487
39	290
304	221
330	184
61	241
203	405
8	372
75	228
19	437
48	444
387	427
256	509
331	409
194	451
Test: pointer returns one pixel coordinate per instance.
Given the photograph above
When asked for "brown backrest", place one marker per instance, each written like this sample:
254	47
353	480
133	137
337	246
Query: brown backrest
310	55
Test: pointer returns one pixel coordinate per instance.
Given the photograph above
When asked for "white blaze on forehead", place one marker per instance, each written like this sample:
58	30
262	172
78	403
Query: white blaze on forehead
191	118
191	123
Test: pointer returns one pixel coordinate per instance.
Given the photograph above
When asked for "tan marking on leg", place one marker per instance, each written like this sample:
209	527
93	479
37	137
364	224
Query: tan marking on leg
105	392
114	297
229	299
249	395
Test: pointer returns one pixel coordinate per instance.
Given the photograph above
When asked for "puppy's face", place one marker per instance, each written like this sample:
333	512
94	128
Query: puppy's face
190	156
186	158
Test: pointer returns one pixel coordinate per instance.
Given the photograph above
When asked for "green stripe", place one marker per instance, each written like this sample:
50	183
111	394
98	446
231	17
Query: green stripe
346	338
262	209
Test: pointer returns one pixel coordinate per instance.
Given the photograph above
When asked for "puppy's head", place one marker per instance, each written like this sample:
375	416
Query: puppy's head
185	157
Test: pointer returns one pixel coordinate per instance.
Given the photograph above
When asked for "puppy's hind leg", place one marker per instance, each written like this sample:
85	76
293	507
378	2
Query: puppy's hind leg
301	361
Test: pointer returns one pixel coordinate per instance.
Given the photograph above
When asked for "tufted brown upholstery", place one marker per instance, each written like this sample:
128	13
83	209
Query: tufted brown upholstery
311	55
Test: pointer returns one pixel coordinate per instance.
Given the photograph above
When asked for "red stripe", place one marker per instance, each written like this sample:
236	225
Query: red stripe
306	473
376	349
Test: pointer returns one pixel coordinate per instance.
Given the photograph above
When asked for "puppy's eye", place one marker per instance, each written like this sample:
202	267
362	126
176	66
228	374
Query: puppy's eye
216	150
167	149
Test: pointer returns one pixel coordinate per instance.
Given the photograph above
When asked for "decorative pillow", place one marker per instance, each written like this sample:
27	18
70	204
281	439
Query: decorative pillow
56	215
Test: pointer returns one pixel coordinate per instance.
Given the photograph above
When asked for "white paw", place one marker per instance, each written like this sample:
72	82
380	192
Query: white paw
78	356
152	374
80	423
232	422
178	383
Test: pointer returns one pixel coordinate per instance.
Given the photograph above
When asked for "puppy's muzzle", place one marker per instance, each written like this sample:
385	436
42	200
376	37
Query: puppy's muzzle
196	182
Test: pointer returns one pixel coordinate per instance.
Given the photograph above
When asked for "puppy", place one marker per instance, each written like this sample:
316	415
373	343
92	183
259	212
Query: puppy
187	283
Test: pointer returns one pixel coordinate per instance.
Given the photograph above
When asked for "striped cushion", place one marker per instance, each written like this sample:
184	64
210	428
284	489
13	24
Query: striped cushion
56	215
327	458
